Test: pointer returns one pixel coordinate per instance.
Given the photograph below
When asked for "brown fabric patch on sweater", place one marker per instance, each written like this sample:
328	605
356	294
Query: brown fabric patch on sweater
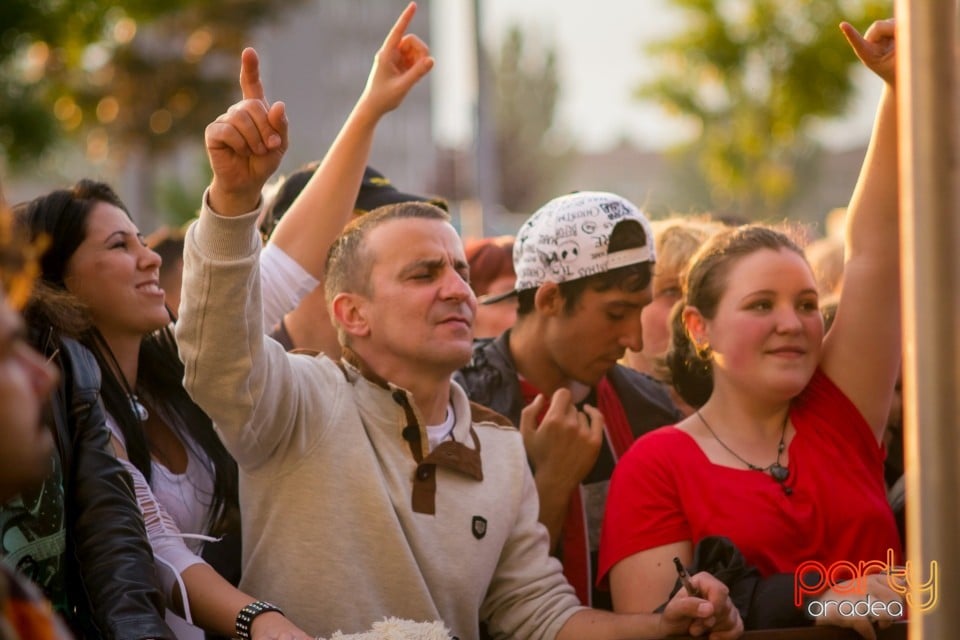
458	457
424	498
480	413
451	454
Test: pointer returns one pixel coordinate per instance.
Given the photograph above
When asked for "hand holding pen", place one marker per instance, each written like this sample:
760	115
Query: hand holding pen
722	621
685	579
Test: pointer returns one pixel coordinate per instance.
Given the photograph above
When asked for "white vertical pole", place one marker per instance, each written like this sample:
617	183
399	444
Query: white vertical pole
929	148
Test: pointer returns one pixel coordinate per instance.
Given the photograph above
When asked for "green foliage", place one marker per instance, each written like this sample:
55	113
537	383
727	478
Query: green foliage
754	75
527	88
142	75
179	201
24	128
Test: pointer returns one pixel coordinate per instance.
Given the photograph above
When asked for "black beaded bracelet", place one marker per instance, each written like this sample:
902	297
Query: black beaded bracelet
248	613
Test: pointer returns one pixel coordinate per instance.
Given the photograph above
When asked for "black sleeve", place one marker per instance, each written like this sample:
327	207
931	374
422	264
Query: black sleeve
763	603
117	578
771	605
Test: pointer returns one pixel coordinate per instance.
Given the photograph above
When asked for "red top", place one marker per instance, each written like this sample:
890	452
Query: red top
665	490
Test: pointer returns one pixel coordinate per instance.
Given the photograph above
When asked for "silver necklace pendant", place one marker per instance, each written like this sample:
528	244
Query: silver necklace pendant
138	408
779	472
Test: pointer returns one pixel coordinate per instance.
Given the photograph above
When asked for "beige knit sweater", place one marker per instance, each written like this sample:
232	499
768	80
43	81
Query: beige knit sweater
327	480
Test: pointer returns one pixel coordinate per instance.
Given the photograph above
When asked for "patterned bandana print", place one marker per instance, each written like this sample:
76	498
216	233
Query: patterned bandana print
567	239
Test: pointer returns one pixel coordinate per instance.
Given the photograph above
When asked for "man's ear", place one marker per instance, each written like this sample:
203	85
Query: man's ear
349	312
548	300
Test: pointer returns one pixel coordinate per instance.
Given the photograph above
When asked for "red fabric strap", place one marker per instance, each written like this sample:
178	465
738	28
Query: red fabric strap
576	551
576	547
619	432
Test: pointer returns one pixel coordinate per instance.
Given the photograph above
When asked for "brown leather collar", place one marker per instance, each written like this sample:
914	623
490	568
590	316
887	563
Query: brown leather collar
350	357
452	455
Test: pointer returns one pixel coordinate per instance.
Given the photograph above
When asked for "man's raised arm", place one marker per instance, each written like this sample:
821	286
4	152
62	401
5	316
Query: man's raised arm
243	380
245	145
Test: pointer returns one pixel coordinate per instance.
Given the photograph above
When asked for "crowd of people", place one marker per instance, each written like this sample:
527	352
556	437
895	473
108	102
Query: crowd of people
320	407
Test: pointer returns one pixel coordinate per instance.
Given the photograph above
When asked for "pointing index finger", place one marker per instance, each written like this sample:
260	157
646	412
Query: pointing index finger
855	40
250	83
400	27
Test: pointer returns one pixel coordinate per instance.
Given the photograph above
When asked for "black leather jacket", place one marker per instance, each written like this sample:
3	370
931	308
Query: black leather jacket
111	577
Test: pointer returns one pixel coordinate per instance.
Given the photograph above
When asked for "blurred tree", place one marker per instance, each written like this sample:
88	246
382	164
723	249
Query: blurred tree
130	81
37	39
754	75
531	157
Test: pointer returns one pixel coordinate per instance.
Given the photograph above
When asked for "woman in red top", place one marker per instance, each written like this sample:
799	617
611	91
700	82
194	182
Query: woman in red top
784	456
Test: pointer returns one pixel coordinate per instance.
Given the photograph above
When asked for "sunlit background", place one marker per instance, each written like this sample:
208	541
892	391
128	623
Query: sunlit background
749	108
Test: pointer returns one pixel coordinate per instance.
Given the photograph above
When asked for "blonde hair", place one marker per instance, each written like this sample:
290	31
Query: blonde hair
826	259
676	240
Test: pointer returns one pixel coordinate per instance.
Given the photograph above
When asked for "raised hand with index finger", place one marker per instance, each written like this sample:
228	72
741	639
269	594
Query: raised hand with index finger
246	144
876	48
399	64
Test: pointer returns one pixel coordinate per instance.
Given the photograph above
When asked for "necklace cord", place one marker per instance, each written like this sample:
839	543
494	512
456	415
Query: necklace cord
777	471
136	406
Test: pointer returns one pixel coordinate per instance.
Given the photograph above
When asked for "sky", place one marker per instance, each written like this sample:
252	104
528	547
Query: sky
599	47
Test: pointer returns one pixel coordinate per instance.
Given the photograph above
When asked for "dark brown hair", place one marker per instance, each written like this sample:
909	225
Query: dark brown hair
61	217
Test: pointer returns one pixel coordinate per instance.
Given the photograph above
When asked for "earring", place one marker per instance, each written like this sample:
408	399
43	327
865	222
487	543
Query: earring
703	350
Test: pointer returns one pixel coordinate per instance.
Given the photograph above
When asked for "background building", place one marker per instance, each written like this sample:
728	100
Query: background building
316	59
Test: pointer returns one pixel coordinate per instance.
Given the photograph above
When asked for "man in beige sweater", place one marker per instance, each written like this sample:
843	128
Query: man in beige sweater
371	487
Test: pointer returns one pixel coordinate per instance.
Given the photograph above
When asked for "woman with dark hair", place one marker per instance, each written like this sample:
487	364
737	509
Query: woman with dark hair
184	479
784	454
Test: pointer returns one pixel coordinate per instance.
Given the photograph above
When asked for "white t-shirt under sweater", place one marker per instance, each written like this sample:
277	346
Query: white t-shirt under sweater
284	284
437	433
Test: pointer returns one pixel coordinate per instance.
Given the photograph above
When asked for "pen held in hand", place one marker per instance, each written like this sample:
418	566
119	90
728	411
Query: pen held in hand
685	580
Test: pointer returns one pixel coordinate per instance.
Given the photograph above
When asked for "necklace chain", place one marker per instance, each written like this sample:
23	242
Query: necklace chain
136	406
777	471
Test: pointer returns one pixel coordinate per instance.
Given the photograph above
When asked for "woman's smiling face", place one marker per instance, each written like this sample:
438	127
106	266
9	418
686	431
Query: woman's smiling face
116	275
767	331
